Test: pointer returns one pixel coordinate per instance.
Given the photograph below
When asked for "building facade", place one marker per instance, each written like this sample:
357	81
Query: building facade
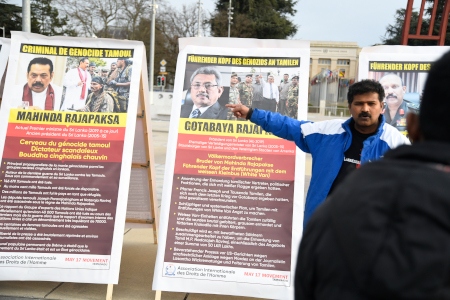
334	56
333	67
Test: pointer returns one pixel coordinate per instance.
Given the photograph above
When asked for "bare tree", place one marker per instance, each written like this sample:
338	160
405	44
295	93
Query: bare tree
106	18
183	22
131	14
91	17
129	19
171	24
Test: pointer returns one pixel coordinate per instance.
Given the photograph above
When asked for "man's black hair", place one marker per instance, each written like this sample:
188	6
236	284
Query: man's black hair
82	60
126	60
40	61
98	79
435	106
363	87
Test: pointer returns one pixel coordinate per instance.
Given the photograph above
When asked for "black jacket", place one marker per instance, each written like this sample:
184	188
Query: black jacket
216	111
384	233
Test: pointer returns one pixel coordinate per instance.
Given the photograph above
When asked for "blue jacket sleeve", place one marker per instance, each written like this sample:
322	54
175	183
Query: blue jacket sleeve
281	126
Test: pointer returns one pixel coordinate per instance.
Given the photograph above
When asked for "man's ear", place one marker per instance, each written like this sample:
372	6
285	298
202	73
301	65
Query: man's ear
51	75
413	127
220	90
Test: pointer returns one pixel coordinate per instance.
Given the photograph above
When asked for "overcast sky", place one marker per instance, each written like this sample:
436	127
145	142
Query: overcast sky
358	21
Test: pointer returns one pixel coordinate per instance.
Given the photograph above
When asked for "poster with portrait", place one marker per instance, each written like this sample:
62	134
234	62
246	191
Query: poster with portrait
402	71
66	137
5	45
232	206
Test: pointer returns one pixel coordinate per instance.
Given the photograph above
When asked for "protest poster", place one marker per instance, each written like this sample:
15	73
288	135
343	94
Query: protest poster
66	140
5	45
232	206
402	71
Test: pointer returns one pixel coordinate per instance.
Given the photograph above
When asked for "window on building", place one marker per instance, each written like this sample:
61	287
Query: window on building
343	62
324	61
310	61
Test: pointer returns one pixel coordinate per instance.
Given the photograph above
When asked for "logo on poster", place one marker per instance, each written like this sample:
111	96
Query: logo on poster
170	270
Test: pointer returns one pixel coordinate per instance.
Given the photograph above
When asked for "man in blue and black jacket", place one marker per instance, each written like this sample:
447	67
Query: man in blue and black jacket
385	231
337	146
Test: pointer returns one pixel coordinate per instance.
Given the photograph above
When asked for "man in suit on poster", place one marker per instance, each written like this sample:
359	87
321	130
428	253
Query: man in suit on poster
270	94
206	89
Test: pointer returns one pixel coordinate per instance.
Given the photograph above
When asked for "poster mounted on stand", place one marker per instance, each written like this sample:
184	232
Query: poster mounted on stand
232	204
66	138
5	46
402	71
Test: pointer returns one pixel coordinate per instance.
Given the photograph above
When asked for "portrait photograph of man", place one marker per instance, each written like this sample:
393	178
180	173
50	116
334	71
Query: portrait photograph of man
402	95
39	92
205	90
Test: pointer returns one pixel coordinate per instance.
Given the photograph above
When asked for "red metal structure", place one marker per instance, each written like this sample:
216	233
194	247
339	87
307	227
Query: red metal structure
440	38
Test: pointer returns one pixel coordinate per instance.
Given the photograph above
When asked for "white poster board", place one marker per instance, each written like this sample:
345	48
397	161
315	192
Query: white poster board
232	209
402	70
5	46
65	173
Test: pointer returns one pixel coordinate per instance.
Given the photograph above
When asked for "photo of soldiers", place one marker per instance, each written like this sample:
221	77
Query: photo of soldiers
113	67
104	74
246	90
121	82
292	99
257	93
92	69
283	88
99	100
233	96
